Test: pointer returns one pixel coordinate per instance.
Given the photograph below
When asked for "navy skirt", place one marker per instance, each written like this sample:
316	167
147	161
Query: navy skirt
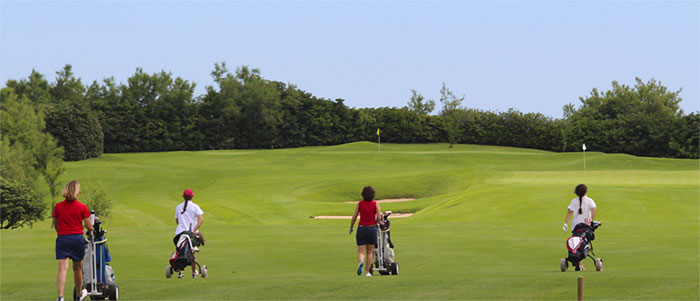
366	236
70	246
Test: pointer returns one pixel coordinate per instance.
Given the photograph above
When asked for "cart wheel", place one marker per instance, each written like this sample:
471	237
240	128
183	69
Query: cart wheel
598	264
383	273
564	265
394	268
168	272
203	271
113	290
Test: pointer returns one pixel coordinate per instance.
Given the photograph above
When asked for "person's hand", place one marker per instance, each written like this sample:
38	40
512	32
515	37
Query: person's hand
587	221
565	227
350	232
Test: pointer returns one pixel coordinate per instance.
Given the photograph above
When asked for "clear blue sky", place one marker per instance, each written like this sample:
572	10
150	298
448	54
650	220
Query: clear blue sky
534	56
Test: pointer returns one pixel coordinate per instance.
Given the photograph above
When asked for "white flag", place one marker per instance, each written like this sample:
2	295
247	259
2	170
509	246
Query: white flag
584	147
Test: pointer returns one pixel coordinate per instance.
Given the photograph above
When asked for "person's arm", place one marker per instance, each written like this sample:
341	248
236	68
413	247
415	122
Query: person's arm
200	219
54	224
379	214
593	211
88	224
177	222
354	217
566	220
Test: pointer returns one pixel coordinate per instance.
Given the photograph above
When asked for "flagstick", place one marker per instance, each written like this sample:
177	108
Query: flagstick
583	147
379	140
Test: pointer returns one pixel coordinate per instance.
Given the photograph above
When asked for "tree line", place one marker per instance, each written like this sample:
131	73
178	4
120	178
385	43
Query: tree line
44	123
243	110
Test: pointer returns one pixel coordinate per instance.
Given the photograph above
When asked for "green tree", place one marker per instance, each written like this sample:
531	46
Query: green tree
451	105
219	111
686	139
51	173
77	130
35	88
27	153
635	120
418	104
247	108
67	88
120	116
20	205
96	199
26	148
259	100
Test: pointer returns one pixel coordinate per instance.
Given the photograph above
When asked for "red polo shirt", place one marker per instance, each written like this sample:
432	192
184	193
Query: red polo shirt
368	213
70	215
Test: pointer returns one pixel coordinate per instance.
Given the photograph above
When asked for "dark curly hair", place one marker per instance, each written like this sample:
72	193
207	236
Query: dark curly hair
368	193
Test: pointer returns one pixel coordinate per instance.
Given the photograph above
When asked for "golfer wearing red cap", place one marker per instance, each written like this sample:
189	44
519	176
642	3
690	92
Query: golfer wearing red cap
188	217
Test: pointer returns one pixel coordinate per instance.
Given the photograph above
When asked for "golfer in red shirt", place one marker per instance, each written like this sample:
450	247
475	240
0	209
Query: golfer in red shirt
366	236
68	219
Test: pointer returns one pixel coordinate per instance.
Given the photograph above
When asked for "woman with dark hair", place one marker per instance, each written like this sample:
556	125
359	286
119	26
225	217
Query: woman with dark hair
188	217
366	236
68	219
582	207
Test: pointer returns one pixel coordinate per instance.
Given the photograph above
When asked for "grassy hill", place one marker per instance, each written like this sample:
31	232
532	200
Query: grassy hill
487	224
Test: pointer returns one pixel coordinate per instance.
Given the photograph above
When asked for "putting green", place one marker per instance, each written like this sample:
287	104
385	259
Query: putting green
487	224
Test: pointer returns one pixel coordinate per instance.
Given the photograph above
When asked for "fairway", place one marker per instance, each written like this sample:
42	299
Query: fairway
487	224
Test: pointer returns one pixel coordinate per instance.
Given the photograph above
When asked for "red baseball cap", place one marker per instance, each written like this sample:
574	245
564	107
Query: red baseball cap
188	192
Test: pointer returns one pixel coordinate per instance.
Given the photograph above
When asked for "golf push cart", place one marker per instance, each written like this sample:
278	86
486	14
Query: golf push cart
580	246
98	275
384	251
187	243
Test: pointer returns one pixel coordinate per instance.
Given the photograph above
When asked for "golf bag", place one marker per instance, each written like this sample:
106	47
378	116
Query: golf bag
580	246
98	275
186	244
384	249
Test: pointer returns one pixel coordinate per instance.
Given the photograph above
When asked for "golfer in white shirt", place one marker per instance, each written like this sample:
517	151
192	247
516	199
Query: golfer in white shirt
188	217
582	207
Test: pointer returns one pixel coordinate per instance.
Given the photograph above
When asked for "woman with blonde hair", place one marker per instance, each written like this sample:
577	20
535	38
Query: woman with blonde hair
68	219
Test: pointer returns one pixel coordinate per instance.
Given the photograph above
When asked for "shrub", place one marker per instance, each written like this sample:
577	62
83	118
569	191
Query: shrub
19	205
96	199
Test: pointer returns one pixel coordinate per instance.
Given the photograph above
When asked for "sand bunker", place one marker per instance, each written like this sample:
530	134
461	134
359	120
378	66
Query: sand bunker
387	200
393	215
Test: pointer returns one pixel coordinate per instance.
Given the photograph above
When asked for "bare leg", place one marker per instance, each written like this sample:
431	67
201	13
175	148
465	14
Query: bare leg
78	276
61	278
370	257
361	250
194	255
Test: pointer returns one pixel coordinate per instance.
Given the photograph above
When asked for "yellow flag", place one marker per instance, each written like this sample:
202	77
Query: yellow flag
377	132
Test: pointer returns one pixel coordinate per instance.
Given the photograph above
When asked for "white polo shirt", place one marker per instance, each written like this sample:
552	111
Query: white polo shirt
188	220
587	205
